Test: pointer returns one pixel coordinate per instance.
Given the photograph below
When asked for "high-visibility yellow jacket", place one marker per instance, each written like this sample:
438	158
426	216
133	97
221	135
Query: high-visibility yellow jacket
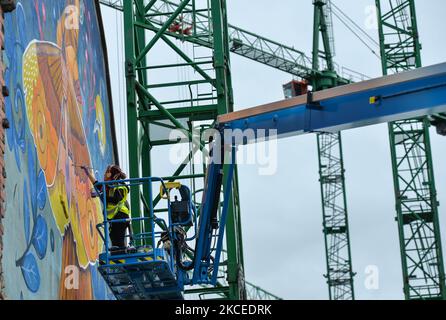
117	201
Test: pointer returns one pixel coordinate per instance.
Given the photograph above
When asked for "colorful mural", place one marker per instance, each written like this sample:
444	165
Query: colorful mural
61	118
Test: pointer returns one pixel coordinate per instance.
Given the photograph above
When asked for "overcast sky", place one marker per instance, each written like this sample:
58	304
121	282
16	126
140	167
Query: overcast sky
283	240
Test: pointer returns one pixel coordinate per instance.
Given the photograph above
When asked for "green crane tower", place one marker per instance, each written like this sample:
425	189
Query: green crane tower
413	174
149	110
331	168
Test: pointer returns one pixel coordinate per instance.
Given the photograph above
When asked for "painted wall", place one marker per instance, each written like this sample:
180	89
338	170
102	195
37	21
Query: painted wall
60	115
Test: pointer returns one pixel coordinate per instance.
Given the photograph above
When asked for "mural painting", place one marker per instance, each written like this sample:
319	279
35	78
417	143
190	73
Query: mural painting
60	113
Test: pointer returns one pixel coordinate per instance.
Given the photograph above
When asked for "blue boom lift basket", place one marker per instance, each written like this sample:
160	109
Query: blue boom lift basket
142	270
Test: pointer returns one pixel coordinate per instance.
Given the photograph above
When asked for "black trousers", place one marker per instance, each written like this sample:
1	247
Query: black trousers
117	230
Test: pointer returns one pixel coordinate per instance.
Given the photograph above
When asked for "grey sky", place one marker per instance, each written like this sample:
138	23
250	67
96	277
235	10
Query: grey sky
282	220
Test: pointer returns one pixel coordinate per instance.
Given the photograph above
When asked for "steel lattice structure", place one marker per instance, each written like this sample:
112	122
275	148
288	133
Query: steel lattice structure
245	43
150	110
256	293
417	209
253	292
335	218
332	173
415	192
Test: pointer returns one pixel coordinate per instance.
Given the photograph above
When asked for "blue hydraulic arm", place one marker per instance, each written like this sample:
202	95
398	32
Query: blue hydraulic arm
209	221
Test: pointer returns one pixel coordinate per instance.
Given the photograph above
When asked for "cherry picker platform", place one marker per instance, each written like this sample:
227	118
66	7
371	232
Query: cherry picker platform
146	275
143	270
158	262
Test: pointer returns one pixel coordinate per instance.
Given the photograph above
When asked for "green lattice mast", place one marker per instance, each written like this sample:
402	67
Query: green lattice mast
210	95
415	192
331	169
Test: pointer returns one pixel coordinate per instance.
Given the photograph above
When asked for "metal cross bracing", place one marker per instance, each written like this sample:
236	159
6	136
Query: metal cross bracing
115	4
335	219
417	210
400	35
415	192
256	293
205	92
220	292
331	171
249	45
244	43
253	292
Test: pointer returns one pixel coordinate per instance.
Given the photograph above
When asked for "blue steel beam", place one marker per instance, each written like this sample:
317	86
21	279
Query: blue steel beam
403	96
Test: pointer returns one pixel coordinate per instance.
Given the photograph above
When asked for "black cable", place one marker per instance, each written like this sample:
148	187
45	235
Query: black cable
355	24
180	261
358	36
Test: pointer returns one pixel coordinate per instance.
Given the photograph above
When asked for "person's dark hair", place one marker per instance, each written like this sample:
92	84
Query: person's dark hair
114	172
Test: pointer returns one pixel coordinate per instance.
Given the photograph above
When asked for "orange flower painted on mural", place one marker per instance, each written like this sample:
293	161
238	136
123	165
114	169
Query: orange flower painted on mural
55	120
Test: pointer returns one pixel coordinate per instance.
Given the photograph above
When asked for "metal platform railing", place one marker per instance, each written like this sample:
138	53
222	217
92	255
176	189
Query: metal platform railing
141	270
